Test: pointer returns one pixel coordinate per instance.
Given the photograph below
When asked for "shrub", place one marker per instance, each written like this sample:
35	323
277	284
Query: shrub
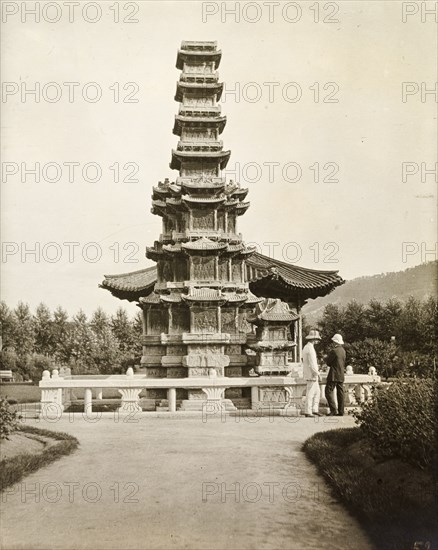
13	469
372	353
400	421
415	364
8	419
394	500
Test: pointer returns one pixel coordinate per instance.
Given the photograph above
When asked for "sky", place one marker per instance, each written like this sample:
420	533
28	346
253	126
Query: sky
319	130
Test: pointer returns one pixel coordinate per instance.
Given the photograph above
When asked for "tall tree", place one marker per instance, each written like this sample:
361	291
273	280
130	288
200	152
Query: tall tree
332	322
99	322
82	342
61	329
105	353
429	342
410	325
138	333
393	308
375	316
123	331
7	327
24	330
44	340
354	321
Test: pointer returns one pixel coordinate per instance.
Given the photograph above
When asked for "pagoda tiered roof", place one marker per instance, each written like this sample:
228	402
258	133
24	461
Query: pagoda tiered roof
201	295
209	184
198	51
272	310
204	244
216	121
204	200
199	185
275	278
179	156
131	286
266	276
200	245
206	88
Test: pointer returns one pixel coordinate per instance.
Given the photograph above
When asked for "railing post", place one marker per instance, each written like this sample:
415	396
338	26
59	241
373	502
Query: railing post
171	397
88	401
254	397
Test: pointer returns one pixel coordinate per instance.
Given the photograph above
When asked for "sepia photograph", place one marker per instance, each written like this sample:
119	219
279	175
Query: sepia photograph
219	275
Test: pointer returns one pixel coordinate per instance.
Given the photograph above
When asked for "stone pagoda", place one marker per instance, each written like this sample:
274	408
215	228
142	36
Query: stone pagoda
196	316
199	301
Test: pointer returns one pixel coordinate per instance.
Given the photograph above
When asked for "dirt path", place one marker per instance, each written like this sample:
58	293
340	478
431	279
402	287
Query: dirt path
180	483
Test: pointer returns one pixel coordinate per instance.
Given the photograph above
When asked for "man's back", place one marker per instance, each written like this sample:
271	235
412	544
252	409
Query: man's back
336	362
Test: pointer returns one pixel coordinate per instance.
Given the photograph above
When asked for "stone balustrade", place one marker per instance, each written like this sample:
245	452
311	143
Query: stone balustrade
267	392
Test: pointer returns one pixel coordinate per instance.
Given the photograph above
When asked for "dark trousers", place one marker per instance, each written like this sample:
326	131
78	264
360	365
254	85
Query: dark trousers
329	389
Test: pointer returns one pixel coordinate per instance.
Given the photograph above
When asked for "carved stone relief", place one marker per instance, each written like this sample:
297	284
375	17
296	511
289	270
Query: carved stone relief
273	395
203	219
223	270
167	271
197	371
197	168
228	319
205	320
158	320
244	326
198	100
181	273
175	372
154	350
207	360
155	373
180	320
203	268
236	270
176	350
233	350
169	224
221	220
233	371
273	359
208	348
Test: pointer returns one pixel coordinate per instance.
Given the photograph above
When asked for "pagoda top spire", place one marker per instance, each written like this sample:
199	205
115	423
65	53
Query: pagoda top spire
199	122
198	51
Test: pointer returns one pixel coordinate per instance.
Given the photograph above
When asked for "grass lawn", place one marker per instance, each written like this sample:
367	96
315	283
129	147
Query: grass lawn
20	393
13	469
394	501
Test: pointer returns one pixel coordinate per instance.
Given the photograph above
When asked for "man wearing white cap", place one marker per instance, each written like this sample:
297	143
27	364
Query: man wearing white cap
310	374
335	376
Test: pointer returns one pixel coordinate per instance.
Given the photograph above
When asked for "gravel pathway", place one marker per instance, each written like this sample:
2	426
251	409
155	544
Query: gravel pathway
163	483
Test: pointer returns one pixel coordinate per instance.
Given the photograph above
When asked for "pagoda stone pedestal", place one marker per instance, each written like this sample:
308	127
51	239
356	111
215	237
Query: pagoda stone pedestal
272	319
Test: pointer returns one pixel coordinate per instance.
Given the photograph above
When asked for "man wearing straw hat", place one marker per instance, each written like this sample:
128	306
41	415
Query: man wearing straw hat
311	374
335	376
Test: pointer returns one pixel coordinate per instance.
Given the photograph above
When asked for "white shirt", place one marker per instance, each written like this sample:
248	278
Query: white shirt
310	362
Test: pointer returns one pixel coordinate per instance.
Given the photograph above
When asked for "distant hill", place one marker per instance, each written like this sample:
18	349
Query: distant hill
419	281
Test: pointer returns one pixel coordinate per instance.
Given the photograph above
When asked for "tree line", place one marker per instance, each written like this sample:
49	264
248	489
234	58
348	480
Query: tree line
393	336
101	344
